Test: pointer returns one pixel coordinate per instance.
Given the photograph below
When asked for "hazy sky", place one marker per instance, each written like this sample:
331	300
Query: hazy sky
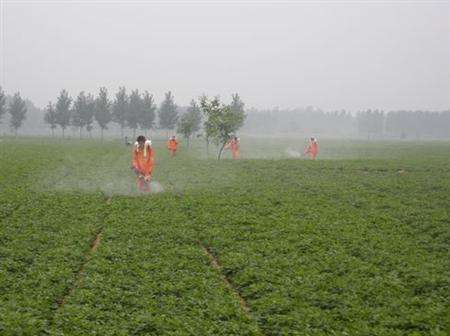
330	54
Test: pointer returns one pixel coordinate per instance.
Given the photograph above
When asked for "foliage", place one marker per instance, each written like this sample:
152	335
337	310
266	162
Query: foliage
221	121
405	124
190	122
50	116
63	110
120	107
135	110
353	245
78	111
17	110
370	122
88	115
2	103
148	112
418	124
167	113
103	109
237	105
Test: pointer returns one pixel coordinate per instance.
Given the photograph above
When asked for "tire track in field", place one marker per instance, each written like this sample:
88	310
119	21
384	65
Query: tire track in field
80	273
95	243
214	262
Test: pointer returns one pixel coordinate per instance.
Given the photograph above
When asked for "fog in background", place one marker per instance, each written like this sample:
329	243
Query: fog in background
333	56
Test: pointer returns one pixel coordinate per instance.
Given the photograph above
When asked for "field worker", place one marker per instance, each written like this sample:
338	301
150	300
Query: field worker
172	145
233	145
312	149
142	164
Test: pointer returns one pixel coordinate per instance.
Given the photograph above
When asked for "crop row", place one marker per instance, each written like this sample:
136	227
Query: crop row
43	240
355	250
149	276
331	247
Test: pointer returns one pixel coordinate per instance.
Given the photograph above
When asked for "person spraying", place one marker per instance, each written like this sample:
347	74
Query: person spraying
312	149
142	162
172	145
233	144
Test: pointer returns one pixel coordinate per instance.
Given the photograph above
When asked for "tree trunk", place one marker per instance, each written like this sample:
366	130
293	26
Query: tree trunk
80	133
220	151
101	131
121	131
63	132
53	133
188	140
207	147
134	133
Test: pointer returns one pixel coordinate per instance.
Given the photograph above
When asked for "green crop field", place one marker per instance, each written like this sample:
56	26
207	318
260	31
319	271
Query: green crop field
356	243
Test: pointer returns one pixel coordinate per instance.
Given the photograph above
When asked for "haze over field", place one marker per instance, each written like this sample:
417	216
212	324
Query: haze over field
348	55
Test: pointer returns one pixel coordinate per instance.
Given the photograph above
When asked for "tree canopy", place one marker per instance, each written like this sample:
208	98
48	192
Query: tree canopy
2	103
17	109
168	114
148	112
63	110
120	107
221	121
50	116
134	111
190	121
102	113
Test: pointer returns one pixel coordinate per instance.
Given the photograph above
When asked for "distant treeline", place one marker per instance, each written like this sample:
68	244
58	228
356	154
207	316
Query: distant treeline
371	124
132	111
137	110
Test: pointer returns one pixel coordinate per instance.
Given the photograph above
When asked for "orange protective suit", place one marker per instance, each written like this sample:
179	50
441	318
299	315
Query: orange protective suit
172	146
233	145
313	149
143	165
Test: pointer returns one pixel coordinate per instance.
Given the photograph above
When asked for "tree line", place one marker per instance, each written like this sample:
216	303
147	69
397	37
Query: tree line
404	124
135	110
138	110
16	108
371	124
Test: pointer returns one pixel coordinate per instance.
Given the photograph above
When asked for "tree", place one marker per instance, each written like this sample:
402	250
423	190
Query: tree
237	104
17	109
370	122
63	110
120	108
78	111
190	121
103	110
134	111
50	117
147	119
2	103
168	114
221	121
88	113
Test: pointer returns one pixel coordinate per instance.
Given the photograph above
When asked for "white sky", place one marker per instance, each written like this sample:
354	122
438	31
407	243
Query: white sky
330	54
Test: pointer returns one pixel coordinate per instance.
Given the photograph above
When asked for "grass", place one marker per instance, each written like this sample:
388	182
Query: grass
356	243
